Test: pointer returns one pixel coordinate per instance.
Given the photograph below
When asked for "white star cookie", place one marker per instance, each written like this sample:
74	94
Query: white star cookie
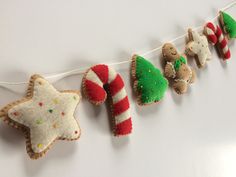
198	47
44	115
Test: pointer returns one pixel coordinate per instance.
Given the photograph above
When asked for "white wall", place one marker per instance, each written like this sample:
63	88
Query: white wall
193	135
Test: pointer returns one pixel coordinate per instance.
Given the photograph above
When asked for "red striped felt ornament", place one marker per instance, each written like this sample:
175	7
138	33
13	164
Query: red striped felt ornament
216	37
94	81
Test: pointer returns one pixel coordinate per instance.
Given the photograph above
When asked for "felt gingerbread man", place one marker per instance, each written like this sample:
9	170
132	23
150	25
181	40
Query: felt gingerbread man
176	68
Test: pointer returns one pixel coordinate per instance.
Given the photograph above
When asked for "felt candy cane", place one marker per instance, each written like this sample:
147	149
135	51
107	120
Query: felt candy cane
94	81
215	36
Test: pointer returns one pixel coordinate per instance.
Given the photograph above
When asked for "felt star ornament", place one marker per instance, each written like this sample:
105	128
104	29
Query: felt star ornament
198	47
44	115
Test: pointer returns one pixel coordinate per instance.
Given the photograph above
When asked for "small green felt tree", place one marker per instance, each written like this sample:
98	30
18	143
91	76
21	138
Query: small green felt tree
150	83
228	23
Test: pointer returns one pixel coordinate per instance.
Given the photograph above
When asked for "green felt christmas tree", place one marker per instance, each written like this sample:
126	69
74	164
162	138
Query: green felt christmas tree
149	82
228	24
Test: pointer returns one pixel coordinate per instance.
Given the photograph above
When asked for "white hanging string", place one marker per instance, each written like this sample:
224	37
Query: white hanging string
61	75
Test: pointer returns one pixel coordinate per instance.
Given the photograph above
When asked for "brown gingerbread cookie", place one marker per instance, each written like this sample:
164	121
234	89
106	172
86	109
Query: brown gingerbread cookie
177	69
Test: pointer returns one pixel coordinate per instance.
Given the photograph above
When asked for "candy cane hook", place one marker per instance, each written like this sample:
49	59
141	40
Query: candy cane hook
216	36
93	87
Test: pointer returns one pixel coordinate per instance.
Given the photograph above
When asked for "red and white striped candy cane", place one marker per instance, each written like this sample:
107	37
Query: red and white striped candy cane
93	87
210	33
216	36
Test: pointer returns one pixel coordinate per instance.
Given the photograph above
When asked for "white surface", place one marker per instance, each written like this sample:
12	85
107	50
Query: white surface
193	135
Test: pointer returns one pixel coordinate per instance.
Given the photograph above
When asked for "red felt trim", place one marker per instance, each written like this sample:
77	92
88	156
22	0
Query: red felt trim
218	31
227	55
124	127
97	94
211	26
94	91
102	72
223	43
212	38
121	106
116	85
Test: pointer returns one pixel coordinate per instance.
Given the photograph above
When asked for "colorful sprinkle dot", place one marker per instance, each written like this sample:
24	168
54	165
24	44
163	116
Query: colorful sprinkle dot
40	104
16	113
54	125
39	121
50	110
74	97
39	145
55	101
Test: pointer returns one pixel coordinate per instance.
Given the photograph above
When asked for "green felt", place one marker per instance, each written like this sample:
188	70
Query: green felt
151	83
178	62
230	24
